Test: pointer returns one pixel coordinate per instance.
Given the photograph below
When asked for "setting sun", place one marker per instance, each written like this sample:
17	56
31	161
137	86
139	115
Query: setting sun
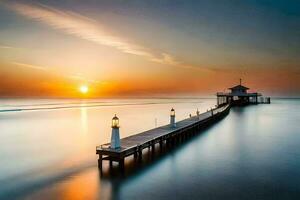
83	89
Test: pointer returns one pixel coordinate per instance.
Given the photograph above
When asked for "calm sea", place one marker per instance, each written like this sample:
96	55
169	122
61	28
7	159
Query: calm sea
47	151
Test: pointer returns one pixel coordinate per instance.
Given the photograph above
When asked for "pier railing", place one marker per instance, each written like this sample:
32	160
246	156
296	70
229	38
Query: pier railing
238	94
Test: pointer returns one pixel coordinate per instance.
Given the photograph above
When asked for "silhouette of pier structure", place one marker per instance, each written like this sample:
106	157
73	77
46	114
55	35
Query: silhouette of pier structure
239	96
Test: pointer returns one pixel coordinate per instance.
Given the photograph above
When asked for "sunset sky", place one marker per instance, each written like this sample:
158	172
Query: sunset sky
122	48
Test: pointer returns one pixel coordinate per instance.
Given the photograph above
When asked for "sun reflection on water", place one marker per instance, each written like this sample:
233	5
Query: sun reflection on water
84	120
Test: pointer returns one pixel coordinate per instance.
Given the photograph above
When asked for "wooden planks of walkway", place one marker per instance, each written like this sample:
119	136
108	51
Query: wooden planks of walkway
134	144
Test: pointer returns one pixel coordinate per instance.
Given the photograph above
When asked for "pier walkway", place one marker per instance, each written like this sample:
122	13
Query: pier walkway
134	144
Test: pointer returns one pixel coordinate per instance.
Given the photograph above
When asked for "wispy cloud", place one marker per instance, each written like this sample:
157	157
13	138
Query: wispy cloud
47	69
7	47
83	79
24	65
88	29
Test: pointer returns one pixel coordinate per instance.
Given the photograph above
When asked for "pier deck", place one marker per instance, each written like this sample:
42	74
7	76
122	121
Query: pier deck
133	145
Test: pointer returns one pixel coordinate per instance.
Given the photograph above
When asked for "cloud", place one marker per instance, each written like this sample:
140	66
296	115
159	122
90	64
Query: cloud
47	69
88	29
7	47
81	78
36	67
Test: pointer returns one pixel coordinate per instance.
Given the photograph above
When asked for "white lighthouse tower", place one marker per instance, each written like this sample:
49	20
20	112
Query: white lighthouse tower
172	118
115	133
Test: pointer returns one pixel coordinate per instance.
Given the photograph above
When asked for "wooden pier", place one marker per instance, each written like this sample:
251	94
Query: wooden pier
134	145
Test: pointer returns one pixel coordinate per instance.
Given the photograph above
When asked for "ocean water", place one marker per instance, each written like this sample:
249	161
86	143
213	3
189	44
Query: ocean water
47	151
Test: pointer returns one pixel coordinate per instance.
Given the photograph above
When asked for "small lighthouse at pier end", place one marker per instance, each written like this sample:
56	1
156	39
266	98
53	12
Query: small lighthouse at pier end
115	133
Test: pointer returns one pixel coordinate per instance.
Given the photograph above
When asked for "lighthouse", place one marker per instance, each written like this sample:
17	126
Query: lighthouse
115	133
172	118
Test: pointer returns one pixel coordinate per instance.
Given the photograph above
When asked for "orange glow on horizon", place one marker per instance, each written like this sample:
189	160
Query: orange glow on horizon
26	82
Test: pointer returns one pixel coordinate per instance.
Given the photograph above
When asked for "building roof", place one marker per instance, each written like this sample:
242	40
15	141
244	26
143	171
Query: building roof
239	87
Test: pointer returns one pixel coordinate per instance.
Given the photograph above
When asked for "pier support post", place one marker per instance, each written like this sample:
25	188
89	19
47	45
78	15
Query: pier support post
140	153
121	164
172	141
168	142
153	145
160	145
100	162
153	148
